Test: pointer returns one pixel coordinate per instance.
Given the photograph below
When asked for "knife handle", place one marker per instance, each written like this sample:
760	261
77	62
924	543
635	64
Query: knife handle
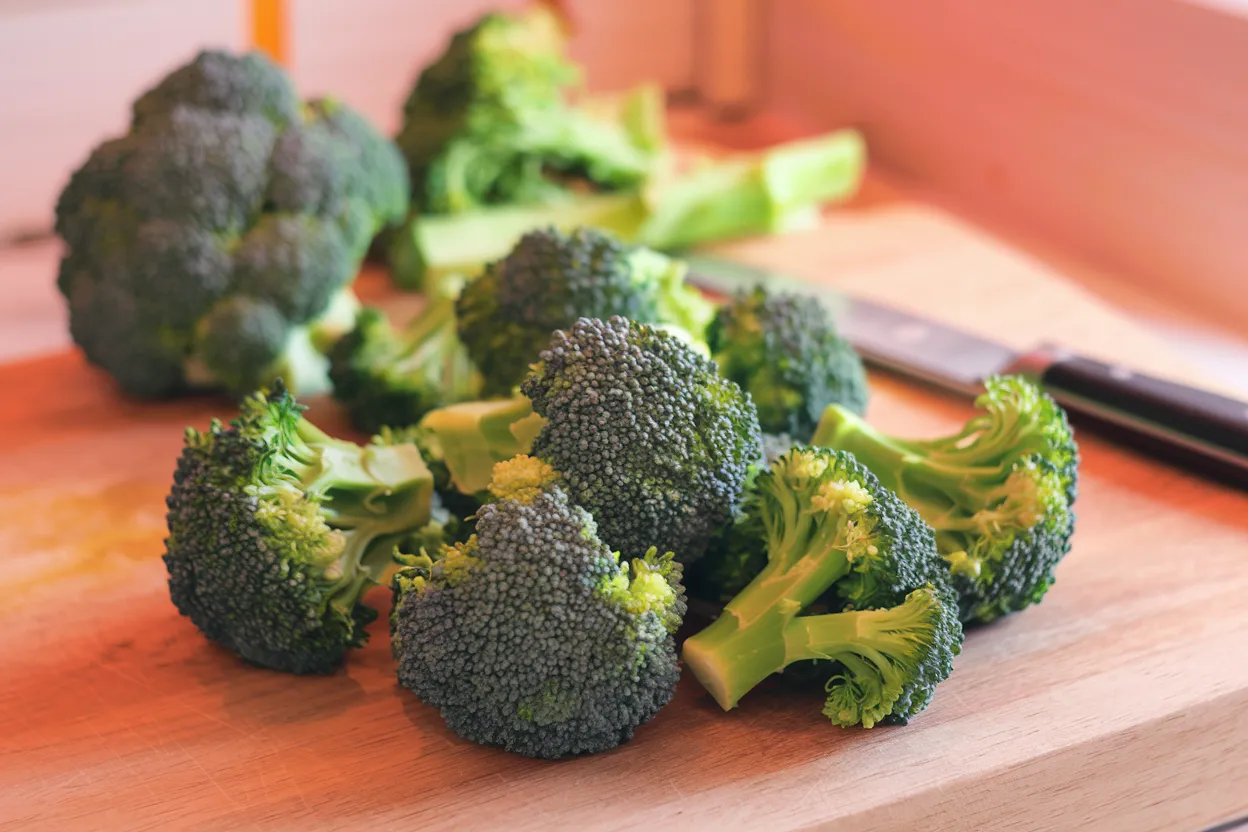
1201	431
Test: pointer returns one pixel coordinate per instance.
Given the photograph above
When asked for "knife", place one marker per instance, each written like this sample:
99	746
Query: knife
1204	432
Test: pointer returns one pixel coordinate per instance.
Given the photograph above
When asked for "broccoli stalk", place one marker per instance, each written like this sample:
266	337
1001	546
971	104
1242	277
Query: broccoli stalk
463	442
831	529
276	530
434	252
773	190
999	493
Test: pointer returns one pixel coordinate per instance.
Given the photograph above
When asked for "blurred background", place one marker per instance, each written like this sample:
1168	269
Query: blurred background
1104	137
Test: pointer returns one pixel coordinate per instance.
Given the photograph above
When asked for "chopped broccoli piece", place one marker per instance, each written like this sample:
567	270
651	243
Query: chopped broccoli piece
649	438
393	378
1000	493
783	349
770	191
463	442
276	530
774	190
533	636
834	535
549	280
230	208
490	122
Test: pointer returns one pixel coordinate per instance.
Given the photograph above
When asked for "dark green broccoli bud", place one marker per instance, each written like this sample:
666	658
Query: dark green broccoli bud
219	82
224	187
294	261
376	171
549	280
305	173
647	434
783	349
276	531
831	530
91	193
202	168
164	247
385	377
240	338
1000	493
533	637
337	165
143	365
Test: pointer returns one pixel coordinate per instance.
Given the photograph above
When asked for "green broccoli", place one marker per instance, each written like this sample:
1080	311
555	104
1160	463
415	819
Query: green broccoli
463	442
549	280
783	349
214	244
490	121
649	438
1000	493
834	537
533	636
385	377
778	189
276	531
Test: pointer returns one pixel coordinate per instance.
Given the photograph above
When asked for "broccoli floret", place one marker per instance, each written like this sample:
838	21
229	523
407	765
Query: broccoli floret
1000	493
783	349
533	636
781	188
650	439
276	530
833	532
490	122
228	208
393	378
217	82
552	278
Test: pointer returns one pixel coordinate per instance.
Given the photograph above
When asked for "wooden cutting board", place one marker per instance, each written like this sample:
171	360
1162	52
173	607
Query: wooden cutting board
1119	703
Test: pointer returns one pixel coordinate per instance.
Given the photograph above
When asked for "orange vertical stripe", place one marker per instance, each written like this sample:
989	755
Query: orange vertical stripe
268	28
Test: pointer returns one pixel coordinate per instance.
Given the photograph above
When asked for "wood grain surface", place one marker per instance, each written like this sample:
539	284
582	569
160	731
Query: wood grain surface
1120	703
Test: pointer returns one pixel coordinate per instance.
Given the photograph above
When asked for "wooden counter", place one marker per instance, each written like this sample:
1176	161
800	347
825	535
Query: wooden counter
1120	703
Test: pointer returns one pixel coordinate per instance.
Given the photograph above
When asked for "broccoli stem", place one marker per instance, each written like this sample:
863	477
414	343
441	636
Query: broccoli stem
748	642
942	479
374	493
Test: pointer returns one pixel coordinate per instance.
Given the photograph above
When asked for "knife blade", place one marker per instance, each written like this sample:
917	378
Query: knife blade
1202	431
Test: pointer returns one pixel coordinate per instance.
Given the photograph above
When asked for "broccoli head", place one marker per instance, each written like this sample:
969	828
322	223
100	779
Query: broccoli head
229	210
276	530
490	122
783	349
1000	493
649	438
550	279
533	636
835	538
385	377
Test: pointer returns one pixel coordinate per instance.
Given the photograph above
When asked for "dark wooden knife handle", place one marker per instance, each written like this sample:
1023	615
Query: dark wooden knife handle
1202	431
